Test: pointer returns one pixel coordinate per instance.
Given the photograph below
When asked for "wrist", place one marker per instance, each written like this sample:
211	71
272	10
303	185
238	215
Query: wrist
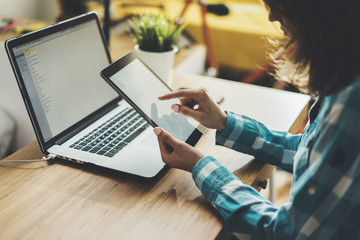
196	160
198	163
223	121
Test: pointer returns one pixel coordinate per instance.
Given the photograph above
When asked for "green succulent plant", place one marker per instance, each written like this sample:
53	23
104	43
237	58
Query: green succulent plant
155	33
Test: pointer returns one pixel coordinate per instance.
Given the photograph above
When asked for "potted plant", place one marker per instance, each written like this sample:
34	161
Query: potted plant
155	37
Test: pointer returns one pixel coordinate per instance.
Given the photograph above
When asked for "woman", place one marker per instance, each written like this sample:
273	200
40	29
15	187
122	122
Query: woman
325	161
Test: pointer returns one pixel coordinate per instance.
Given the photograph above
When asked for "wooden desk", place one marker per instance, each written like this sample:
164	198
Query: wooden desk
68	201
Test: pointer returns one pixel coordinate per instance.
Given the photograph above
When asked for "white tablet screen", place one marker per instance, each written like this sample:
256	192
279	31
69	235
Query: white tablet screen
140	85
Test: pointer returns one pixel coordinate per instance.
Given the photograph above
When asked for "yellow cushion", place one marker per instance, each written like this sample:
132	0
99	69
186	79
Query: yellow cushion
240	38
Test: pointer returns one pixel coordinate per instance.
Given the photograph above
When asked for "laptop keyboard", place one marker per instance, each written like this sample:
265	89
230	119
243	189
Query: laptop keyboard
113	135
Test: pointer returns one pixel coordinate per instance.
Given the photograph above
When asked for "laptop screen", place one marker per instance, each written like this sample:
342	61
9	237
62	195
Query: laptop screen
61	73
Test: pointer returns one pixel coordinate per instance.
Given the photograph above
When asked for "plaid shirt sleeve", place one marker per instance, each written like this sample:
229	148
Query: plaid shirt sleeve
249	136
324	199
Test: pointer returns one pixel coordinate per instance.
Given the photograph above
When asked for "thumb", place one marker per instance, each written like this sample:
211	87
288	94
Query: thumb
165	136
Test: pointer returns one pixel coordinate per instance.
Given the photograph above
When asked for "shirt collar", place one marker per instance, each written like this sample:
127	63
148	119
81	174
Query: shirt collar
314	110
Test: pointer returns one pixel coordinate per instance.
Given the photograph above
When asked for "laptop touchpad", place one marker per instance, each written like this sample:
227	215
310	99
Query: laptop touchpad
150	140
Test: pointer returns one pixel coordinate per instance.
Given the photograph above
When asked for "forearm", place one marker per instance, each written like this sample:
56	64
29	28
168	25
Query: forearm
249	136
306	215
241	206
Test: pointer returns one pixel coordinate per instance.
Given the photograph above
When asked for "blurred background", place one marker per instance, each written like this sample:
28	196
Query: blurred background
33	9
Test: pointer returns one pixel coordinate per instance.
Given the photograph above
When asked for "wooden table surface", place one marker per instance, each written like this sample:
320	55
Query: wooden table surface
61	200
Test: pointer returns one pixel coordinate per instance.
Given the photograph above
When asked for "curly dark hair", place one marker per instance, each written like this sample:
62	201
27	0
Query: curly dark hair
327	36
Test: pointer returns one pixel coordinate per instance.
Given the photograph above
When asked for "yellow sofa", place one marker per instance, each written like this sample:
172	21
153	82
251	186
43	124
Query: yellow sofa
240	38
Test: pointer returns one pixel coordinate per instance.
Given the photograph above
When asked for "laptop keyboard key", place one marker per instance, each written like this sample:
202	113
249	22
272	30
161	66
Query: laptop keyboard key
94	149
86	148
101	152
134	135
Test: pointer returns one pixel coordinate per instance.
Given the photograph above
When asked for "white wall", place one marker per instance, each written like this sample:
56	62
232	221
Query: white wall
31	9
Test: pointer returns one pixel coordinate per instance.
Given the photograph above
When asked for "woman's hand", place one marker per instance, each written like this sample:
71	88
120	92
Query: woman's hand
175	153
200	106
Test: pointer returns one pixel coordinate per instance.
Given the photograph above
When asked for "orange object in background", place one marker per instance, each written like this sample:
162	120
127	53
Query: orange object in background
213	69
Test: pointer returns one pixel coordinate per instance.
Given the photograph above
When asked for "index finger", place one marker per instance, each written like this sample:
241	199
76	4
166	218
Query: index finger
178	94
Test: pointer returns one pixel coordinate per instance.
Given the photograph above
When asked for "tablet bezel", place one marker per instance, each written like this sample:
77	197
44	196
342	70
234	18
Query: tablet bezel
119	64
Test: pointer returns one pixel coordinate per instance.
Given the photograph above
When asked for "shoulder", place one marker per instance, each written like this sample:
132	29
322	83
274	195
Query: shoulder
344	103
348	97
340	113
338	128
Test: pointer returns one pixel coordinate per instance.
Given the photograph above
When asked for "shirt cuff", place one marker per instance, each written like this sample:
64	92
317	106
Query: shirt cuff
239	134
229	127
210	176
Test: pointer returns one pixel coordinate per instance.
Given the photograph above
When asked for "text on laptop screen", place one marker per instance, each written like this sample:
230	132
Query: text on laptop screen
61	73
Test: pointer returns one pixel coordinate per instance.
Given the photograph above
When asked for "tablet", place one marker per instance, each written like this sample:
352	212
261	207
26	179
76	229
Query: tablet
141	87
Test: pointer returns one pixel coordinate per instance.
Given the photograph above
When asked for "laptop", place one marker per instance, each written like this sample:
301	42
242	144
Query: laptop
76	115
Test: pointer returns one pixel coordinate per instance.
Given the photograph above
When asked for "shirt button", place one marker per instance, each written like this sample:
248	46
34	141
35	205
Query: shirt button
311	190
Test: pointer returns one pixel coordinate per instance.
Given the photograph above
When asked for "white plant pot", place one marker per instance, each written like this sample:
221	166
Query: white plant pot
160	62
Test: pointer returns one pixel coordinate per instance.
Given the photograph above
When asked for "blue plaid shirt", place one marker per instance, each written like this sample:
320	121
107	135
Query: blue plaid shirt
325	161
